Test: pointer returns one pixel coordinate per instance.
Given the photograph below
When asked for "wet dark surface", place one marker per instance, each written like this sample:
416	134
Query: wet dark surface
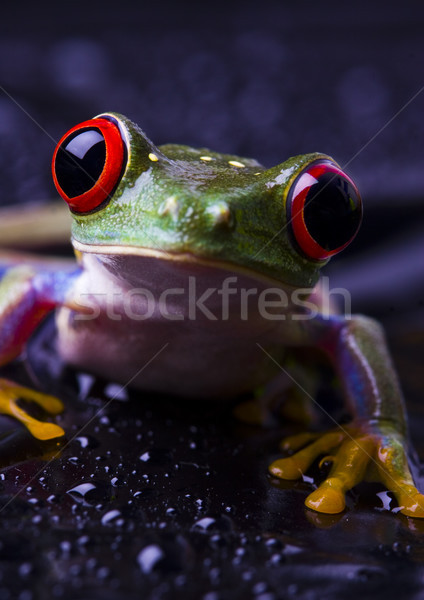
154	498
171	499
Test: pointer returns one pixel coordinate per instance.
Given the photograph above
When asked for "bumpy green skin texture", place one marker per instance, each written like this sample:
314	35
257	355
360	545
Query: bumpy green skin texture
255	236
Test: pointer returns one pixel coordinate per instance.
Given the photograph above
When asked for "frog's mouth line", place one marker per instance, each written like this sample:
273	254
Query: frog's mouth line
179	257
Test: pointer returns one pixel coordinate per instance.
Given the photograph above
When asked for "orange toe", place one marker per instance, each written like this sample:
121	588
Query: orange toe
285	468
326	499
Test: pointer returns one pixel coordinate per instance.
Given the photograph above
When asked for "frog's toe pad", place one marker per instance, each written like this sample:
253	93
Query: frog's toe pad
286	468
326	499
46	431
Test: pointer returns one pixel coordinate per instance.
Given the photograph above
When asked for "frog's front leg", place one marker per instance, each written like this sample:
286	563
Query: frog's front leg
373	446
27	295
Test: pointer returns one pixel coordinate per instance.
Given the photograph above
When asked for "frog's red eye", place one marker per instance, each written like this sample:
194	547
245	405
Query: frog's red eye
324	210
88	164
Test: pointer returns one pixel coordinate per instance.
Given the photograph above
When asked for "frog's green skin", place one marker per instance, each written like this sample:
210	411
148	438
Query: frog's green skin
207	208
183	221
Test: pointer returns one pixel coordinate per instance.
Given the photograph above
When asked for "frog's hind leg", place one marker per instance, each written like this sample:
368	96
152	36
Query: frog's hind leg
391	468
373	447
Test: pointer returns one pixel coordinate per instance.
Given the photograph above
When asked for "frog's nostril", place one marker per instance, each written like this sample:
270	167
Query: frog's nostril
221	215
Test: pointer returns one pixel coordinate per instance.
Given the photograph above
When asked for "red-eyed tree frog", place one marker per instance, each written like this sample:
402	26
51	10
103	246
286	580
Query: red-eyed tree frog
197	275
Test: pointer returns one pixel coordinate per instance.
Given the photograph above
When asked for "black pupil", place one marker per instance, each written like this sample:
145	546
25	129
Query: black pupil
80	161
332	211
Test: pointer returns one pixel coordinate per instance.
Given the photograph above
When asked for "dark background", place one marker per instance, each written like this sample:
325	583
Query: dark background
266	80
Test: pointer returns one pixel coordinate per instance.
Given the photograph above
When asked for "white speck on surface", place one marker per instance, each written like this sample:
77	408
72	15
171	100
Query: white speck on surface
385	499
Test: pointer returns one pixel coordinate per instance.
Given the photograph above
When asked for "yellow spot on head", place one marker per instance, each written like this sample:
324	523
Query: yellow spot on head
153	157
206	158
236	163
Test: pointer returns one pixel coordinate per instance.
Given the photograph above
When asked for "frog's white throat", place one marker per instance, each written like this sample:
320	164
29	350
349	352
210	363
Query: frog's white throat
137	303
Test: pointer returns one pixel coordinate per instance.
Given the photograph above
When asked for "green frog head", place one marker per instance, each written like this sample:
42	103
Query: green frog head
129	197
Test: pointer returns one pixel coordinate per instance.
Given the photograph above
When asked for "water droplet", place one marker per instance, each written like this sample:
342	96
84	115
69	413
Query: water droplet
87	441
65	546
103	573
90	493
85	383
276	559
83	540
211	596
149	557
220	524
260	587
156	456
204	523
112	515
53	498
82	489
115	391
274	544
218	541
146	494
291	549
25	569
